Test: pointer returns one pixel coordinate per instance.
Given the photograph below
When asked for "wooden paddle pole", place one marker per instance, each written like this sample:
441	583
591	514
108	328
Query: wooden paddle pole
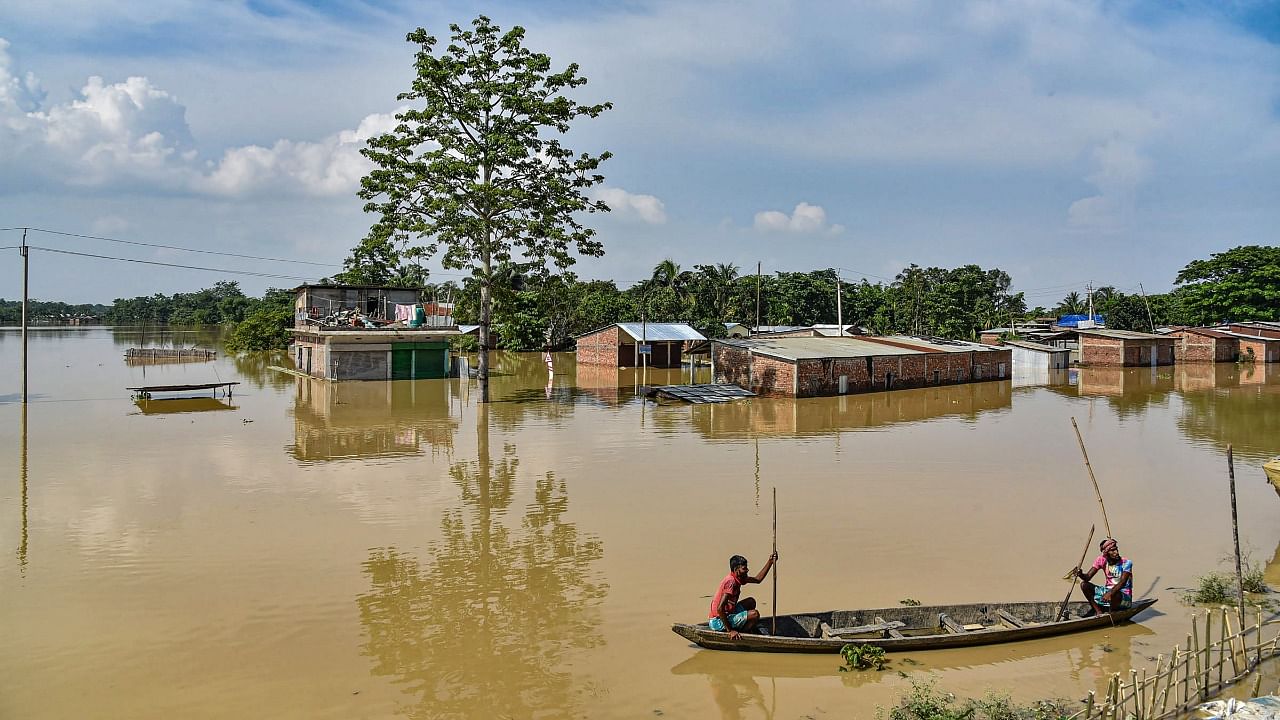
1072	572
1235	535
774	627
1105	522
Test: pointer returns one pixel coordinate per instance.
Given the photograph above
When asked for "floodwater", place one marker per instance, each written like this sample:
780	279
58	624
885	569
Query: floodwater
394	549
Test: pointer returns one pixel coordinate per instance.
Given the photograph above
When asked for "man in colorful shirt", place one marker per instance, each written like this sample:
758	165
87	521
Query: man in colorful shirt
1117	592
730	614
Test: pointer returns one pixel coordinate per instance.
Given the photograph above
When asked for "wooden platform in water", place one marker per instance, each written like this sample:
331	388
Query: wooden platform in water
145	391
698	394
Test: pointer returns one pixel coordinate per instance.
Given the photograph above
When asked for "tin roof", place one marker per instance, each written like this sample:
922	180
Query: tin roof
1039	347
816	348
932	344
1207	332
652	332
1122	334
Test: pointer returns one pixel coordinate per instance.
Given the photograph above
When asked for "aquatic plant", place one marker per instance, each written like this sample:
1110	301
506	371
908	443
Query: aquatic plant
1219	588
925	702
909	602
862	657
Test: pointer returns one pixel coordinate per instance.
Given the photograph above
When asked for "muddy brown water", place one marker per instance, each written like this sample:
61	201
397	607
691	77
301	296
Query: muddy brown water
394	549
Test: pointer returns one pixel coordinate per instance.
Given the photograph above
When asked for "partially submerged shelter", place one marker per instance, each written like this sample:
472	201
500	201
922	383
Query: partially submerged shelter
346	332
1203	345
1124	348
817	366
1027	355
658	345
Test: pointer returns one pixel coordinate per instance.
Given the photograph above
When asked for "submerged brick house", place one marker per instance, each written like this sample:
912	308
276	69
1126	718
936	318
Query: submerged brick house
818	366
1204	345
619	344
1124	348
1259	341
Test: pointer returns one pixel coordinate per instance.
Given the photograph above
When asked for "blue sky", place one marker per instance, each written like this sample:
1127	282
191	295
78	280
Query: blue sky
1065	142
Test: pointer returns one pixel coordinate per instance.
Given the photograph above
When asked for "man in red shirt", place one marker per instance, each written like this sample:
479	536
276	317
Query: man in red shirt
728	613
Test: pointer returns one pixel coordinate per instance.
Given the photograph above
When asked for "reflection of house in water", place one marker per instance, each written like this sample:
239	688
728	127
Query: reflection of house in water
1119	381
821	416
1195	377
1246	414
371	419
613	385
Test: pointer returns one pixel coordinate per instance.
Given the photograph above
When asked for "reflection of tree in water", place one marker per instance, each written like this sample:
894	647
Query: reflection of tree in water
253	367
1246	417
484	628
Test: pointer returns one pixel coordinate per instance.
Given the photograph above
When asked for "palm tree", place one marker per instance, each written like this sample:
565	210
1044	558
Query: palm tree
666	273
1071	304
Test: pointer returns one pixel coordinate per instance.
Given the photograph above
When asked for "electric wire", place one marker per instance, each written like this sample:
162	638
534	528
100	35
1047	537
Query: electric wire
173	265
177	247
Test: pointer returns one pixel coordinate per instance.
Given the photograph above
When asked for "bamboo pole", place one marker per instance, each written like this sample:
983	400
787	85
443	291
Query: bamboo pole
1137	692
1171	679
774	630
1257	609
1186	666
1106	523
1235	529
1088	706
1222	650
1155	685
1075	575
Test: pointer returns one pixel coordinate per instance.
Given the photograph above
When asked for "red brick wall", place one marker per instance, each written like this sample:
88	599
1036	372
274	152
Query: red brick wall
987	365
600	348
989	338
1196	348
1095	350
1264	350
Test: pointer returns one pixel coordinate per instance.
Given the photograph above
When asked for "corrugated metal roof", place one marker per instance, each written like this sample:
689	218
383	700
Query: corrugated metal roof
660	332
814	348
1207	332
1122	334
1036	346
940	344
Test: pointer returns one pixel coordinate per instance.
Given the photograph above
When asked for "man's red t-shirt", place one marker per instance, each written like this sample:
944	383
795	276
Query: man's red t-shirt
726	594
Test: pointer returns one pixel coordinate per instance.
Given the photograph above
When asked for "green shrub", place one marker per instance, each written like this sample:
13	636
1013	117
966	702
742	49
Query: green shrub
1219	588
925	702
266	328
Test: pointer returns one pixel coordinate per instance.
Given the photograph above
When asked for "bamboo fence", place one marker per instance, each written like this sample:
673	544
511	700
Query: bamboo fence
1193	673
167	355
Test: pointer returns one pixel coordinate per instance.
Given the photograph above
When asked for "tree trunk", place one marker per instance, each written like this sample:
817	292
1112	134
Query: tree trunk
486	313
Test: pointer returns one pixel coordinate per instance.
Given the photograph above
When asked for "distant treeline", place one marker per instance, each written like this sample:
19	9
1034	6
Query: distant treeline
532	311
43	310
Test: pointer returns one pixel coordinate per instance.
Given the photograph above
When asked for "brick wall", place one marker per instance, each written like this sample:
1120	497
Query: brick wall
1105	351
1101	351
993	365
601	348
757	373
1193	347
1264	350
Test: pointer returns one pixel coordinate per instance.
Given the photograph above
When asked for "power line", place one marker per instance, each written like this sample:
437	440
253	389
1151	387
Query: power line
175	247
174	265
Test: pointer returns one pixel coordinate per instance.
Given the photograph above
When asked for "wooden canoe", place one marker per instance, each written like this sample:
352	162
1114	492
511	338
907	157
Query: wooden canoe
924	627
1272	469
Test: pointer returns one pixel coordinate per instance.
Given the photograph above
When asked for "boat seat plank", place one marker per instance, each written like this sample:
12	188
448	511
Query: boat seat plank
1009	619
950	625
864	629
893	632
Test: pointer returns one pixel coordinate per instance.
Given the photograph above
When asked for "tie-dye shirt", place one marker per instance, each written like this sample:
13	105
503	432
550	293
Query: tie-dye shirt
1113	572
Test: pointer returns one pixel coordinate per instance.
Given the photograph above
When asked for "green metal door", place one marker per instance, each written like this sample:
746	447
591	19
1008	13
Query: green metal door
401	363
419	361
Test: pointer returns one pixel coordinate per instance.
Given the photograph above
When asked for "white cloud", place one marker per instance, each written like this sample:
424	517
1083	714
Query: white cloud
1121	169
134	135
805	218
647	208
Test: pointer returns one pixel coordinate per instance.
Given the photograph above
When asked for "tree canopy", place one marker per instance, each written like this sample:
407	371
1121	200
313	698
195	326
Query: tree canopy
475	171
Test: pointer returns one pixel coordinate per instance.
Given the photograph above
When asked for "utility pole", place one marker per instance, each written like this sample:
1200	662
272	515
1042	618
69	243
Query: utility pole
1150	319
26	261
839	306
757	327
1091	322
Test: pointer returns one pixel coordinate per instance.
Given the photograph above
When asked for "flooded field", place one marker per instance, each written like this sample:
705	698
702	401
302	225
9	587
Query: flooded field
306	549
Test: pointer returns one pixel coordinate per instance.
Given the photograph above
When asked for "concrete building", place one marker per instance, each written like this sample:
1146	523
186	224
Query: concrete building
813	366
1124	348
350	333
1203	345
620	344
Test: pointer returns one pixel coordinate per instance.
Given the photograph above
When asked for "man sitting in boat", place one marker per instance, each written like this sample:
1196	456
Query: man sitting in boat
1117	592
728	613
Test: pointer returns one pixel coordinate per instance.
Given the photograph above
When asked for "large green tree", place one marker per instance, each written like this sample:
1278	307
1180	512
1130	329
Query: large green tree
475	170
1242	283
